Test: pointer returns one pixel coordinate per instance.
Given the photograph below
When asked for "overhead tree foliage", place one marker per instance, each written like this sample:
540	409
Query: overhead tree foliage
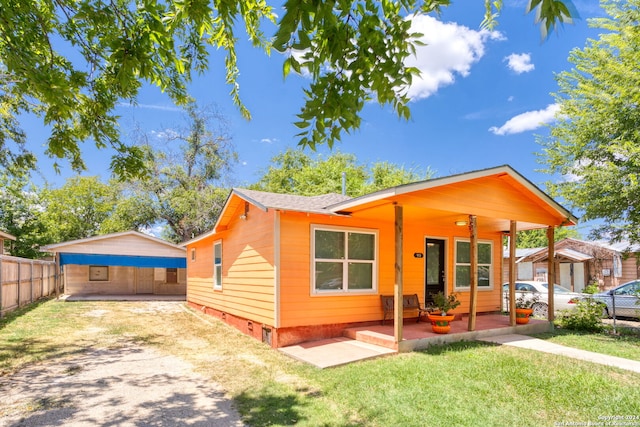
595	143
188	169
295	172
72	61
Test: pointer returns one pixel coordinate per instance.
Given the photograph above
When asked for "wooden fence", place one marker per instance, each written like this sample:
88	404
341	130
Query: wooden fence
23	281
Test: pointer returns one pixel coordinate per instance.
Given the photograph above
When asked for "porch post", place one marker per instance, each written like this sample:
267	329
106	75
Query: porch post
512	274
398	287
473	276
551	273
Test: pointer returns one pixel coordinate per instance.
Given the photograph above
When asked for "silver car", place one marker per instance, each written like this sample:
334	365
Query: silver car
563	298
626	297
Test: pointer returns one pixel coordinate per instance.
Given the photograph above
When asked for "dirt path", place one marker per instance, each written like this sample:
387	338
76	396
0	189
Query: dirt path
127	386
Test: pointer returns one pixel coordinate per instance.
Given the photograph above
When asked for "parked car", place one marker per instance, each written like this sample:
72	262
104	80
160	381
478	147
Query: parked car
627	297
564	299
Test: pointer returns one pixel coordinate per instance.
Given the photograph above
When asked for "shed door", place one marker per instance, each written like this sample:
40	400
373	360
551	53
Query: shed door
144	280
434	268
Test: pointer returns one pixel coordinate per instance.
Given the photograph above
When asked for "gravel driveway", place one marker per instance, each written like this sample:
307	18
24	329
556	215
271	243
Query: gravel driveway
127	386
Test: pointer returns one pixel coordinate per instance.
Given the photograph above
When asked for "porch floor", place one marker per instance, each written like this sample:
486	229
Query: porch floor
378	340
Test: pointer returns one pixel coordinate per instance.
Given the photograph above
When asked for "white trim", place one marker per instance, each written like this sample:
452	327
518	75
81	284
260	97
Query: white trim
492	267
217	286
374	262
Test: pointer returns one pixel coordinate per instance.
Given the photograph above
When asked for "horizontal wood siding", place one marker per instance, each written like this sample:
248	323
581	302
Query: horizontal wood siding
121	281
248	278
299	307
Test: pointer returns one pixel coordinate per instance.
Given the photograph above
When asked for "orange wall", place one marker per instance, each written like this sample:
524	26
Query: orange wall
248	278
300	307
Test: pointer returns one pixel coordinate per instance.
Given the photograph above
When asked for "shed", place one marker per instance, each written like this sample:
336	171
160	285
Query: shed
4	246
121	264
288	269
581	263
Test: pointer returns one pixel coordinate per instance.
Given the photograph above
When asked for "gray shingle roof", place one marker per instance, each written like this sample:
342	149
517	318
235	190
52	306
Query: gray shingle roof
314	204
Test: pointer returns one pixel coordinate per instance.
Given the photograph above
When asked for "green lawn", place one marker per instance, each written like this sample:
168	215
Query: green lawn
466	384
625	344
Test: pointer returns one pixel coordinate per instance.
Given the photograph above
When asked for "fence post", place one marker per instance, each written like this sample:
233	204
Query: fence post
613	304
19	282
31	282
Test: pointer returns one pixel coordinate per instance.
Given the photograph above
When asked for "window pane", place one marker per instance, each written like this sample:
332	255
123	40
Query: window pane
329	275
433	264
484	253
360	275
218	275
329	244
217	253
483	276
463	276
361	246
463	252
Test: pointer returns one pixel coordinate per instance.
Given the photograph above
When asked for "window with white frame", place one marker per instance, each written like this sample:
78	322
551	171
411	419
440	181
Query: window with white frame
344	260
217	265
463	264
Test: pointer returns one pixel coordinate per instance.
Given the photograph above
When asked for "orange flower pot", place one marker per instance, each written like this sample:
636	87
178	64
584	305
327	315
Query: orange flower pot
440	324
522	315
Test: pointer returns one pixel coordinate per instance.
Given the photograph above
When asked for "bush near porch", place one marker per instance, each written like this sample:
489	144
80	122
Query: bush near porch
465	384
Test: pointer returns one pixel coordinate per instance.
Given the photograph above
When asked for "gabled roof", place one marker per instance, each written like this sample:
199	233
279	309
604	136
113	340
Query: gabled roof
453	179
59	247
310	204
444	198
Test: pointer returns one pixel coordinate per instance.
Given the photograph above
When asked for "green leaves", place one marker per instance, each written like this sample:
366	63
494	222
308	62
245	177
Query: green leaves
72	61
595	143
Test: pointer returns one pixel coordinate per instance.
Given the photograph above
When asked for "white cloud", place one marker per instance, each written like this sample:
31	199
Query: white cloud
519	63
165	134
450	49
269	140
150	106
527	121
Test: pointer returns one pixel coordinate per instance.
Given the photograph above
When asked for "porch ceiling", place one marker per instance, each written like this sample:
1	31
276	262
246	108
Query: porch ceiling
495	200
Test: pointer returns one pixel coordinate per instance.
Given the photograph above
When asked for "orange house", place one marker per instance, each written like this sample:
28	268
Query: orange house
288	269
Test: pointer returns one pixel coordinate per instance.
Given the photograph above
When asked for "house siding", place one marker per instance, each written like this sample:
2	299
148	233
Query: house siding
248	278
299	307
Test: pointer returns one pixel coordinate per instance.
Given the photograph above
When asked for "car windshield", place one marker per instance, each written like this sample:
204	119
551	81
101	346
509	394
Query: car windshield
557	289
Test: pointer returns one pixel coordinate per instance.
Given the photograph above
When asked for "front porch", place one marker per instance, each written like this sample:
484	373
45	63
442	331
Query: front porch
418	336
373	341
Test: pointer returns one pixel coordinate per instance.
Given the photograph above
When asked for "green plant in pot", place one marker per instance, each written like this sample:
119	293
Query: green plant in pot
440	321
524	304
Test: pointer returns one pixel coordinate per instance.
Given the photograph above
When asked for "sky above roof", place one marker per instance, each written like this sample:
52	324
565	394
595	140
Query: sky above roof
482	99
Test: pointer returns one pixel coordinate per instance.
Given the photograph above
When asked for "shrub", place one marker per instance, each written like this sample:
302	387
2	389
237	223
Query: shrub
587	317
591	289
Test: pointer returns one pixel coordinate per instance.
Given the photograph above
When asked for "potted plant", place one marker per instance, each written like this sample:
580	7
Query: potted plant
440	320
524	304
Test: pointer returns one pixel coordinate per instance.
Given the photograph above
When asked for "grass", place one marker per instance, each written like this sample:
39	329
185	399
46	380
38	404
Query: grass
465	384
626	343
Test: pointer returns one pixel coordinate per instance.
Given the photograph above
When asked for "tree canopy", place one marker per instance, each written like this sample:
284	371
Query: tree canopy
595	143
188	170
70	62
295	172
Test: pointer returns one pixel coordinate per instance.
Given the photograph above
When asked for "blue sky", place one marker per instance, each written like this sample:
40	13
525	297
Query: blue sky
482	99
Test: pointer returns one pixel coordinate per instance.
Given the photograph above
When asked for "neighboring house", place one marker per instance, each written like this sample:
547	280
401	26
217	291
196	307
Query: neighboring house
5	242
287	269
581	263
120	264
